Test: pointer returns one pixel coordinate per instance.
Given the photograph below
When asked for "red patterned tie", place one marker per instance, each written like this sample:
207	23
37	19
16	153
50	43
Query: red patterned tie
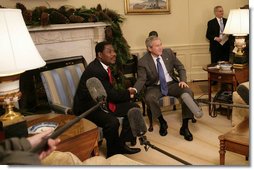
111	106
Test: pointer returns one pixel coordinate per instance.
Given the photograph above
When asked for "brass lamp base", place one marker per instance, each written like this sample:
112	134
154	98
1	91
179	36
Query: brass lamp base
240	66
12	124
10	116
240	61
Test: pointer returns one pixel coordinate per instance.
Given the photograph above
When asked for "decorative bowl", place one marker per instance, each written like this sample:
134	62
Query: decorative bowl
41	127
226	67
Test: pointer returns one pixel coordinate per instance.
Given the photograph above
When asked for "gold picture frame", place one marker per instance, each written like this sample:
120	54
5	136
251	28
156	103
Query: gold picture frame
147	6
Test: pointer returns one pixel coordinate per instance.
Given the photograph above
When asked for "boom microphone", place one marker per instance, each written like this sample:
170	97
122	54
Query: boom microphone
137	124
138	128
188	100
96	89
97	92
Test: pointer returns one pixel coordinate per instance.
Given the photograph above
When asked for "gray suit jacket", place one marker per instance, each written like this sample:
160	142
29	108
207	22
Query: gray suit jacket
148	75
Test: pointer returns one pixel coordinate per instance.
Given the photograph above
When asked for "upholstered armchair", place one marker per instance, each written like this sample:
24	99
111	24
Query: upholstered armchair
240	97
60	78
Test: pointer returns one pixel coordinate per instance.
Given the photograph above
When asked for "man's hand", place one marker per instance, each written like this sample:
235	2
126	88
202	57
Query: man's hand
218	39
182	84
36	139
132	91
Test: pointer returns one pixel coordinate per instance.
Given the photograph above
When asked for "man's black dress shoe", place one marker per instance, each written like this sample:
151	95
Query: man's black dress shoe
133	142
127	150
193	120
186	133
163	129
214	83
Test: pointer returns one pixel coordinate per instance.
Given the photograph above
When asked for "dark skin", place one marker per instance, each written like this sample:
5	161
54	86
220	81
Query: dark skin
108	57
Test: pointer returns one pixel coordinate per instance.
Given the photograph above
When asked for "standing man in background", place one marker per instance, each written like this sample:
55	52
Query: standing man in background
219	44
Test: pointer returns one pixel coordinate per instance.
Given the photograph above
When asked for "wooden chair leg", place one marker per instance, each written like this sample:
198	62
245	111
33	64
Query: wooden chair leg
174	107
222	151
150	117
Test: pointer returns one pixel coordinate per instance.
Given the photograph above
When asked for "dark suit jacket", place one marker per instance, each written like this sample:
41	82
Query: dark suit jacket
148	75
213	30
83	100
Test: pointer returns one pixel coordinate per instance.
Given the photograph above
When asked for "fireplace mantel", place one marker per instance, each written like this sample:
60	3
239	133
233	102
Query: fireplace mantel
65	40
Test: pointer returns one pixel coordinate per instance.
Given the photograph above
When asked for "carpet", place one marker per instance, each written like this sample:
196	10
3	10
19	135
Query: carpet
203	150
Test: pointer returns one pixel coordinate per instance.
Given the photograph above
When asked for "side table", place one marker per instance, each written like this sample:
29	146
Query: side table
236	140
81	139
233	77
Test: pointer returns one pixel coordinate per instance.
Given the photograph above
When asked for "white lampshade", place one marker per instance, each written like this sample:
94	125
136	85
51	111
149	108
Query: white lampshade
17	50
238	22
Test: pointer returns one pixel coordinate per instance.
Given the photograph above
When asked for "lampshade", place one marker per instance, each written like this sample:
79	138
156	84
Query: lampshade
17	50
238	22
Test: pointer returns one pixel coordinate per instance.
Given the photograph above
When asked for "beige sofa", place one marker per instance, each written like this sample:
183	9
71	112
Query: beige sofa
238	114
67	158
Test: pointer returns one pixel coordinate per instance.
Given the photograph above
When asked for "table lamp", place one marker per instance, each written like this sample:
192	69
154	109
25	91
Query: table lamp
17	54
238	25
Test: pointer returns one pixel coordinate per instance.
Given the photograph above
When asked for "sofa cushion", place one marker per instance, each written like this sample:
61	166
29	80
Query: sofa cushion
238	114
67	158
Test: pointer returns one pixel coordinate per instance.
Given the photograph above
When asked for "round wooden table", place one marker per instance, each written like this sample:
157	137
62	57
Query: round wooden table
81	139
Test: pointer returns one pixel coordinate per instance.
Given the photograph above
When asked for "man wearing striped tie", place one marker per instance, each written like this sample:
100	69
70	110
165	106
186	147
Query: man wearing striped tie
215	27
156	75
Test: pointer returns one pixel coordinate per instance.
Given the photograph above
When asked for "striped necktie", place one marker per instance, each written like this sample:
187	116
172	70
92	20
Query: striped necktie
221	26
163	83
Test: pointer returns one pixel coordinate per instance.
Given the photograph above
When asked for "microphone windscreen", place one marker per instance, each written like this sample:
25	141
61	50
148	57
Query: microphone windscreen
243	91
96	89
194	108
137	123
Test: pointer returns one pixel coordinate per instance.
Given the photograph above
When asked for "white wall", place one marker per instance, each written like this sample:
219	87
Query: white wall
183	30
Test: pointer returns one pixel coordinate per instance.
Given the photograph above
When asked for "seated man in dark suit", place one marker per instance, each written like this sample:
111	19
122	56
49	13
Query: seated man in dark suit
118	102
158	85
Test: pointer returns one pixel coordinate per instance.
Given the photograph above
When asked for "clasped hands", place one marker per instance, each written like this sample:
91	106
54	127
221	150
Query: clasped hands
132	91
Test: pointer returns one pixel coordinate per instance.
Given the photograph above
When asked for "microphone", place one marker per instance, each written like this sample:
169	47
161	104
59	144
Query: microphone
189	101
137	123
138	128
96	89
97	92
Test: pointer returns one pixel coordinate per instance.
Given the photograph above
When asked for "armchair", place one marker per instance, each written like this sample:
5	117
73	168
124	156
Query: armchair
241	96
60	79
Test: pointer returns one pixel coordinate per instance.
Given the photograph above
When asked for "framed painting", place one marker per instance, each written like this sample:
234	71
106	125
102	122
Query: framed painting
147	6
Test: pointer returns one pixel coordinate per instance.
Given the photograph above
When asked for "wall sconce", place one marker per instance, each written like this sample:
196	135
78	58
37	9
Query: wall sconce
238	25
17	54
